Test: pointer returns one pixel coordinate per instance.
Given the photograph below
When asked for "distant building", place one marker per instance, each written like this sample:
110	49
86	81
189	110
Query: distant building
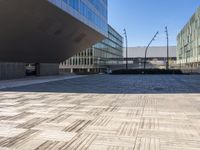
159	52
188	43
97	58
156	58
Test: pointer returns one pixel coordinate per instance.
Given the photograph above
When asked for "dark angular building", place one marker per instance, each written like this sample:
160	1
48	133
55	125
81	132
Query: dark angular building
47	32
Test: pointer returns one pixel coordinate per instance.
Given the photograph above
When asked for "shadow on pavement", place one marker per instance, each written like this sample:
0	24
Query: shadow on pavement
119	84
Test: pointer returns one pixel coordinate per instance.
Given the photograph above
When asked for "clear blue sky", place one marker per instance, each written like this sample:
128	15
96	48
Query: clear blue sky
142	18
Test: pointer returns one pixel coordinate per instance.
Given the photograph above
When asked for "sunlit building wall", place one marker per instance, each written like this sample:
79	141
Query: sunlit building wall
188	42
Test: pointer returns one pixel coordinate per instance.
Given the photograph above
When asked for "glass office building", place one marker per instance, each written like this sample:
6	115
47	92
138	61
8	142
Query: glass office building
91	12
98	57
188	42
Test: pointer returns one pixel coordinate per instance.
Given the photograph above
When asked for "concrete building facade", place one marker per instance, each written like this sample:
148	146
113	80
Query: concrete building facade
98	57
47	32
188	43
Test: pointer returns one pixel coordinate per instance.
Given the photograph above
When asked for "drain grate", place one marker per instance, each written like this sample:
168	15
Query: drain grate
158	89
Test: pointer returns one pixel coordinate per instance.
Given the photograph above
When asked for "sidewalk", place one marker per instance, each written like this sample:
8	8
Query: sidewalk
35	80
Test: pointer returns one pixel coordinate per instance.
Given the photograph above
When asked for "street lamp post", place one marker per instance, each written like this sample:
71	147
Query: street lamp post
145	57
167	63
125	34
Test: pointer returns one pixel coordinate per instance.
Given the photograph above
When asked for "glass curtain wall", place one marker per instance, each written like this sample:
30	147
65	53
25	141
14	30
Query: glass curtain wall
99	55
92	12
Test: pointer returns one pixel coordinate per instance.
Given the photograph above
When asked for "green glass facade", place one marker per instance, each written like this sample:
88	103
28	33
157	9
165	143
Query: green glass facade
188	42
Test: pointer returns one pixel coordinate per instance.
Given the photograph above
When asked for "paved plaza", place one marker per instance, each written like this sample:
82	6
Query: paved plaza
103	112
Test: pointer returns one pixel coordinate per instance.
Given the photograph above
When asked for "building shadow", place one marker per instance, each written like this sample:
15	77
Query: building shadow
115	84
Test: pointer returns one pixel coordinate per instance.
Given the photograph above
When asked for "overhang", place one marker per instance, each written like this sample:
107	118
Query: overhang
38	31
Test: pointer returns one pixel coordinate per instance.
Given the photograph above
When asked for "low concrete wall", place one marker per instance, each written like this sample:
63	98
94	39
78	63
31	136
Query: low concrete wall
191	70
47	69
12	70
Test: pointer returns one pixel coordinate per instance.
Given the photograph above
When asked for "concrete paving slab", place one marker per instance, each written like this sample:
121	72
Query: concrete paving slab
50	116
